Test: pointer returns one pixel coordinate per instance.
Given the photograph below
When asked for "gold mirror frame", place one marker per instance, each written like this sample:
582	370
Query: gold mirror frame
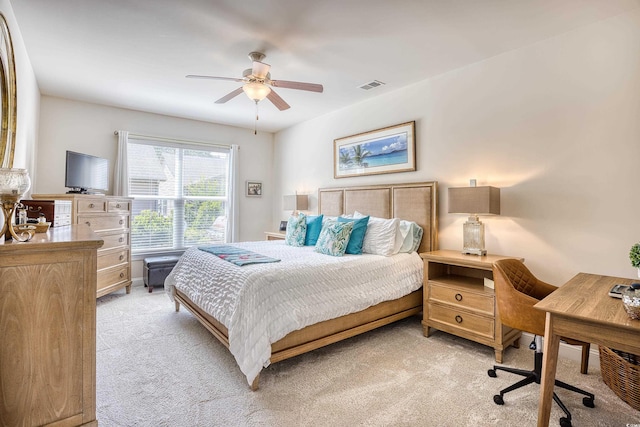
9	96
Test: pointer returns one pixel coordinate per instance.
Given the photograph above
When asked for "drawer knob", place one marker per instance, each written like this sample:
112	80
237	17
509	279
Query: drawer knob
122	275
121	257
88	223
121	222
458	297
91	205
118	205
121	239
458	318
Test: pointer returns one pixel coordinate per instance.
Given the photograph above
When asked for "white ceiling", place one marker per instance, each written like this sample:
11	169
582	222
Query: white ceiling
135	53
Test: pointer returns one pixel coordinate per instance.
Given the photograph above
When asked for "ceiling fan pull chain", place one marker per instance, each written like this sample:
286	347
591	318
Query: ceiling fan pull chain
255	127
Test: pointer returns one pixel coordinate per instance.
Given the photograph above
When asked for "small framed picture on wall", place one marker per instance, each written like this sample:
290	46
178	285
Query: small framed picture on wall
254	189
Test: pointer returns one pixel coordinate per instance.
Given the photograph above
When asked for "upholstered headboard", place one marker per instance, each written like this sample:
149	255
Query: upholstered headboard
413	202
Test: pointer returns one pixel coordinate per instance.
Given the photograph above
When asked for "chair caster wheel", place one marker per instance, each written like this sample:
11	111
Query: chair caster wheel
565	422
498	400
588	402
492	373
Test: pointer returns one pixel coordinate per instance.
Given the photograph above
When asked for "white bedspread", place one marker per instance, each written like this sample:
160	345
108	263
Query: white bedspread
261	303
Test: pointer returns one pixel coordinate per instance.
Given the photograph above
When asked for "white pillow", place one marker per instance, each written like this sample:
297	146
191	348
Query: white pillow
411	234
381	236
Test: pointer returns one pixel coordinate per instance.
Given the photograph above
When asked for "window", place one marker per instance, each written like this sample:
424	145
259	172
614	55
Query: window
180	194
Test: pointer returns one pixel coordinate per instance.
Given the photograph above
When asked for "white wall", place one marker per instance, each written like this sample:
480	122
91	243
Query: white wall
89	128
28	102
555	125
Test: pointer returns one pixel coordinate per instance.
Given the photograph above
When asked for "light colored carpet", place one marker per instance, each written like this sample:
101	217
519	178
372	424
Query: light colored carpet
156	367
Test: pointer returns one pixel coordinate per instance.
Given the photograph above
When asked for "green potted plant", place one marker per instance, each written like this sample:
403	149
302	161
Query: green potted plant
634	256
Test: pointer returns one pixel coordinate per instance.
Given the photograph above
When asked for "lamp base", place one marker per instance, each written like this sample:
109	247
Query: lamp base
480	252
8	207
473	237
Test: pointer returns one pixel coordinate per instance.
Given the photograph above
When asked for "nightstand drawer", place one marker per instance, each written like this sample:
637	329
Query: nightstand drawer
462	320
461	298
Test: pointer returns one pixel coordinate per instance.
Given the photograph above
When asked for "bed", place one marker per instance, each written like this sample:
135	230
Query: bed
374	307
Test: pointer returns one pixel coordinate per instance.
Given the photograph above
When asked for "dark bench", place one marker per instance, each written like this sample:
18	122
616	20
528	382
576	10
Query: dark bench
156	269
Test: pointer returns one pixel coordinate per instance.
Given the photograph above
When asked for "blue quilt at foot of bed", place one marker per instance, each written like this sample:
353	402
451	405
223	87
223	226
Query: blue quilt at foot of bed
237	256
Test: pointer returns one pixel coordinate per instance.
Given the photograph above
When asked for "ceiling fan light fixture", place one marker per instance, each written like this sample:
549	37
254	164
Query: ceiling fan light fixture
256	91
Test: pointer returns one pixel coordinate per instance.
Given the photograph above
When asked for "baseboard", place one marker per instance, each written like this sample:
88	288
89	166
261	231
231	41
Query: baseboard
137	281
571	352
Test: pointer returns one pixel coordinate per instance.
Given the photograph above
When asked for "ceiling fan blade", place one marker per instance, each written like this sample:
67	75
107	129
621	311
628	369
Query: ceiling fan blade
312	87
229	96
277	101
260	69
233	79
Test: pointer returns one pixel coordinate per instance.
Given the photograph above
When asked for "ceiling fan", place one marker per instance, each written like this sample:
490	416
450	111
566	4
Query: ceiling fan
258	84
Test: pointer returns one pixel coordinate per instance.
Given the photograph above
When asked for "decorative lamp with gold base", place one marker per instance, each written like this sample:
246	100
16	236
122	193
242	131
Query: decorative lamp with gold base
14	183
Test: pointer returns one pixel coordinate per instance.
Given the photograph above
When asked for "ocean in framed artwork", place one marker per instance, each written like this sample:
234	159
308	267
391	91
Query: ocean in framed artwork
385	159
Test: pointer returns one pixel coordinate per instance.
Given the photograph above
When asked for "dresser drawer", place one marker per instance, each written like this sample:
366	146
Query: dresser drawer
114	241
462	298
119	206
107	222
111	276
92	205
460	319
109	259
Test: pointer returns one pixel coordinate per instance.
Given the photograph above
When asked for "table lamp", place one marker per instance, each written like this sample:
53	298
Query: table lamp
295	203
474	201
13	184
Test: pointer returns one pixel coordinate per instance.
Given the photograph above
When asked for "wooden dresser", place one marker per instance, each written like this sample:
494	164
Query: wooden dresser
457	301
110	218
48	329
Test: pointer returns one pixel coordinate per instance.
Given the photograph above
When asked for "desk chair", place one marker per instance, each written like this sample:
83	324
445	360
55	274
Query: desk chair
517	291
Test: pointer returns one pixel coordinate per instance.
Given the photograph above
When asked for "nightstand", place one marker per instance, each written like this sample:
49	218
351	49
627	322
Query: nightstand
457	301
275	235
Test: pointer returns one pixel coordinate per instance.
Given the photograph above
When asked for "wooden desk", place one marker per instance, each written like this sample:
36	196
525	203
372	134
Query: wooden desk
583	310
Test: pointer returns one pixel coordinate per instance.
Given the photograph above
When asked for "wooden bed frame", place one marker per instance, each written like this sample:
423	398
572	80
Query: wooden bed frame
414	202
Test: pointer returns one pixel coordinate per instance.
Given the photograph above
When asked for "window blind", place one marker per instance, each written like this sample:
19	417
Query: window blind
180	193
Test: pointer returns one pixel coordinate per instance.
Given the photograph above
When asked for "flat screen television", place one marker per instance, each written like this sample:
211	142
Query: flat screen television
86	174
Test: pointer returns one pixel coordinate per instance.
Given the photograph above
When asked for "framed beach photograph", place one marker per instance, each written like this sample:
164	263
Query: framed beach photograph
388	150
254	189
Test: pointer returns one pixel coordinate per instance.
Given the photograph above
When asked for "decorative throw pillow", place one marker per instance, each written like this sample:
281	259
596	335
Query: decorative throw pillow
356	240
314	226
381	236
411	234
296	230
334	238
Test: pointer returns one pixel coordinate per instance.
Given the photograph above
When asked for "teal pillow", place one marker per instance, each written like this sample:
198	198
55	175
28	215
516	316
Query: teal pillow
333	238
296	230
314	226
354	246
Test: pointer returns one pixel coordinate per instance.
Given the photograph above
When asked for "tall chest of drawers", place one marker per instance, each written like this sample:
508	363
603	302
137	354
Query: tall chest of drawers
110	218
457	301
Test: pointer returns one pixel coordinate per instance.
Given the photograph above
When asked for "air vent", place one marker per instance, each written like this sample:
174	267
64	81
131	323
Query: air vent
371	85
